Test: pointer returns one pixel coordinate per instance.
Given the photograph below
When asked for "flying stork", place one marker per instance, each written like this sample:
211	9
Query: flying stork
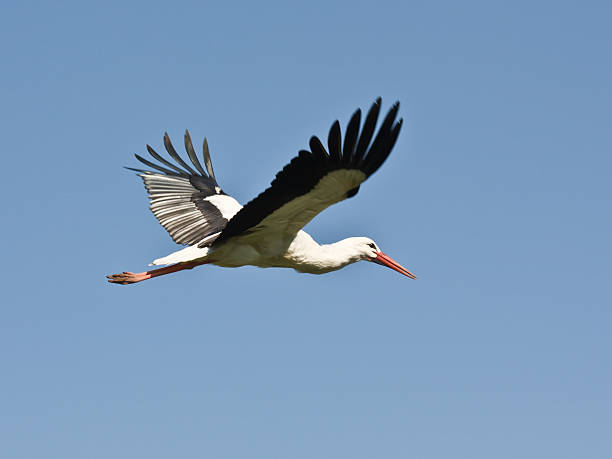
267	232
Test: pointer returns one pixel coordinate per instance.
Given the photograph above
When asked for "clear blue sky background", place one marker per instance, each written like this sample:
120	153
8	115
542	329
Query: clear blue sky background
497	196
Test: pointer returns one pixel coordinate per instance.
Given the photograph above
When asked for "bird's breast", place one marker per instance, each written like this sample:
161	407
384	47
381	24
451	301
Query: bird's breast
241	251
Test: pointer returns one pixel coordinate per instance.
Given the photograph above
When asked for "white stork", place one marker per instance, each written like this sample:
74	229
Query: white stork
267	232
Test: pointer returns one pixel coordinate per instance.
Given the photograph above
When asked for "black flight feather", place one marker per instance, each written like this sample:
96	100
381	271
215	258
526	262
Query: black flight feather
175	155
350	139
334	141
156	156
154	166
367	131
207	161
191	152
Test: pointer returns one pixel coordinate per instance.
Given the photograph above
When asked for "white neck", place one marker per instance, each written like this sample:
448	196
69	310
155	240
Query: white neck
306	256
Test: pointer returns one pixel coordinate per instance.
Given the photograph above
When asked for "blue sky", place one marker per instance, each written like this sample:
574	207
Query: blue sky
497	195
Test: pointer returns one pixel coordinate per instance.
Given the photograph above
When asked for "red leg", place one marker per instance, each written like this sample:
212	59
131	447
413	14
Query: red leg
131	278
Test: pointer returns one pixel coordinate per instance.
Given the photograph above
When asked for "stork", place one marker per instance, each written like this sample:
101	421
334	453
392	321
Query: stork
267	232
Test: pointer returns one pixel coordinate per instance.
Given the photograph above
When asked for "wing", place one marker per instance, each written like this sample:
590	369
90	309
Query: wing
316	179
188	203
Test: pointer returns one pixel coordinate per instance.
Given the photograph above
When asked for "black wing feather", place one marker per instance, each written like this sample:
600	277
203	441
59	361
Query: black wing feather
154	166
388	146
334	142
207	161
373	161
350	139
191	153
318	149
170	149
367	131
156	156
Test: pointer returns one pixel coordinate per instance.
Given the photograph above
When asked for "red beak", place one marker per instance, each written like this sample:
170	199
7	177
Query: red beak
386	260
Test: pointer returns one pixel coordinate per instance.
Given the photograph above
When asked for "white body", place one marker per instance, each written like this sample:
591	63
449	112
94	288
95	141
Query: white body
278	241
301	253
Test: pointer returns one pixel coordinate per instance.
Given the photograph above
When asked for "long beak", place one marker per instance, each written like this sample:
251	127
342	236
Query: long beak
386	260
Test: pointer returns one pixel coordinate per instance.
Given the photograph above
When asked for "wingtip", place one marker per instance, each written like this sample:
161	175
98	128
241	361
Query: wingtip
315	139
139	172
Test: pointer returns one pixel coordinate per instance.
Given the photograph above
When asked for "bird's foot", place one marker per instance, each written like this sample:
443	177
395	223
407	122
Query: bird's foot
131	278
125	277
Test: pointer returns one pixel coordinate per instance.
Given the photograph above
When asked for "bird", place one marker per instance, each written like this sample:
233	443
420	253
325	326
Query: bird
267	232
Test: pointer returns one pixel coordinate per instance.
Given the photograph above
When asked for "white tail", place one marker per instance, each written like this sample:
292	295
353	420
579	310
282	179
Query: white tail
181	256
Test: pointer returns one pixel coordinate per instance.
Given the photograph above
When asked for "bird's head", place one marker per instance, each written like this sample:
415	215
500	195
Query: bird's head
368	250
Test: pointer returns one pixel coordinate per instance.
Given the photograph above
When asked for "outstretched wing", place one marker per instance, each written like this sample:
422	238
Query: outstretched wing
188	203
316	179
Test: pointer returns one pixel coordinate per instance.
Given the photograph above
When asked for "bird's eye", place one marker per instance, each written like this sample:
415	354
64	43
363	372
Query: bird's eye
371	244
